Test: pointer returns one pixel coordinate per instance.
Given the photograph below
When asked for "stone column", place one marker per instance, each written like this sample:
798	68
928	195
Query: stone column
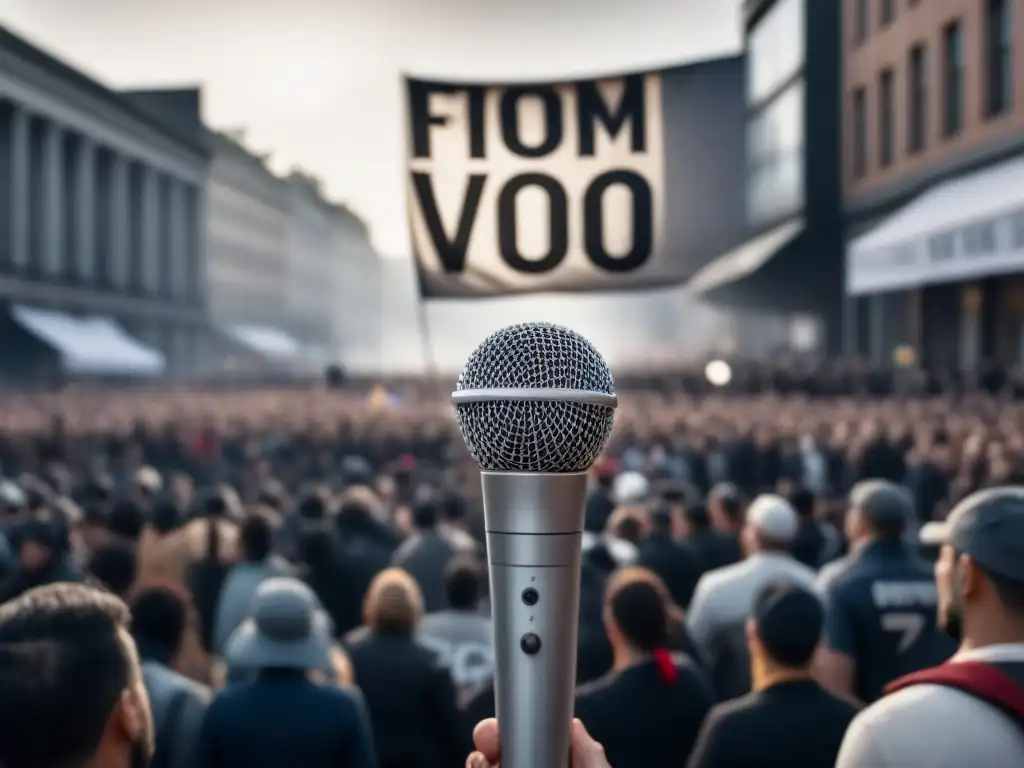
19	194
120	246
54	229
150	272
178	236
85	202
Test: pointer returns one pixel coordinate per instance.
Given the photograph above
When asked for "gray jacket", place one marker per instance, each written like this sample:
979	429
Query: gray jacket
237	594
164	685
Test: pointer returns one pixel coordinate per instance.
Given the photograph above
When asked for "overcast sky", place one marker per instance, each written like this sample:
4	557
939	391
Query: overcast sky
317	82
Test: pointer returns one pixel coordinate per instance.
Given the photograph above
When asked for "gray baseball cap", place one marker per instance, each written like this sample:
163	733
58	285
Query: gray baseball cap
989	526
882	501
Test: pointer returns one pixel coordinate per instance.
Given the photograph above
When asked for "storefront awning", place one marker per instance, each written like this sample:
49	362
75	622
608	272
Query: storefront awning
743	261
94	346
271	343
963	229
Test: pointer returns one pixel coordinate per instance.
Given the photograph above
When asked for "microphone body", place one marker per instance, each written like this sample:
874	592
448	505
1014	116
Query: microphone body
535	405
534	525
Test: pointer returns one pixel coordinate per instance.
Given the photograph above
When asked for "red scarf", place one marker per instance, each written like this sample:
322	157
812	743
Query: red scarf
666	666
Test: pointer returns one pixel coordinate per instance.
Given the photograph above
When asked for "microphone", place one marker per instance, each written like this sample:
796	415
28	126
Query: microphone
535	404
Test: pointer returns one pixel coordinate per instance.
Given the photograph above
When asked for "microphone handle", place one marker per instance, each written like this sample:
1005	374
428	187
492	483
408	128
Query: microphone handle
534	527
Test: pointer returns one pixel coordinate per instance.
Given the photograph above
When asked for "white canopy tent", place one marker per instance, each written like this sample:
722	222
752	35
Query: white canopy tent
90	346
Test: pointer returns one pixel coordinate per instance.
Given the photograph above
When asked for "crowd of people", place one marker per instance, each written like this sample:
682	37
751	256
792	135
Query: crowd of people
281	578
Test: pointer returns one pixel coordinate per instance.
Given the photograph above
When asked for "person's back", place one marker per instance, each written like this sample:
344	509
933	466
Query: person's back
723	599
425	554
969	710
159	624
648	709
882	612
881	609
409	692
284	719
236	595
789	719
676	563
460	636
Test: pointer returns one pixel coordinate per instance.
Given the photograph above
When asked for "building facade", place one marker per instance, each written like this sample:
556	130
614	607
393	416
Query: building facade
358	298
789	260
247	256
101	224
933	181
312	268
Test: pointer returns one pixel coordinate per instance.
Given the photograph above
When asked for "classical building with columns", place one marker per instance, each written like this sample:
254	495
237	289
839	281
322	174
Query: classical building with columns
102	231
311	293
247	257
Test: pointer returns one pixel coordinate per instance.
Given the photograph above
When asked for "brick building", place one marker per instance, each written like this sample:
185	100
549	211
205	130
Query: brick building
933	180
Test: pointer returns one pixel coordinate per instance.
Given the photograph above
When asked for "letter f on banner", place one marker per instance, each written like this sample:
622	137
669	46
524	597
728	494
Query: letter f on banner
450	251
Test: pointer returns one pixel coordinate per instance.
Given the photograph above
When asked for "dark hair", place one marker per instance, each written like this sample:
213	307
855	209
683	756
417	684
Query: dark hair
63	667
628	528
159	619
598	511
638	602
790	621
463	583
890	527
115	566
732	507
316	547
802	500
126	519
94	513
453	508
256	536
167	516
425	514
313	506
661	517
697	516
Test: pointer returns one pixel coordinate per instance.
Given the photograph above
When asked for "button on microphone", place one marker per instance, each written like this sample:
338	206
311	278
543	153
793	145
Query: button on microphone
530	643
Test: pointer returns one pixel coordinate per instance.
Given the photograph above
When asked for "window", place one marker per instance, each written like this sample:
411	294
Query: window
998	57
941	247
953	79
775	157
887	12
860	133
917	84
885	118
860	21
980	239
775	51
1017	228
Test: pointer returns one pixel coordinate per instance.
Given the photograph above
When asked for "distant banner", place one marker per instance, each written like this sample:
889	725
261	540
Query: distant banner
596	185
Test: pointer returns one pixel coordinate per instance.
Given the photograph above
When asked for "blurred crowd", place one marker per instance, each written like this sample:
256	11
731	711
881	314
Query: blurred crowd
306	571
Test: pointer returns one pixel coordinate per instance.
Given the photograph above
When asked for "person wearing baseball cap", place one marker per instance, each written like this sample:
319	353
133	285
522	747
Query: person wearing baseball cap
970	710
881	607
724	596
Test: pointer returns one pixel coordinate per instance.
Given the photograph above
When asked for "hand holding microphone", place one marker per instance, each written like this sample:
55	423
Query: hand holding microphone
535	404
586	753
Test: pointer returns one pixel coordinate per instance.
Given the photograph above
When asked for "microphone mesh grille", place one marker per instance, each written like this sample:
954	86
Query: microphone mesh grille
536	436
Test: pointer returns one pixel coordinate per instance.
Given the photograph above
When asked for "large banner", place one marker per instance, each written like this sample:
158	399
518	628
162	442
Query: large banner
595	185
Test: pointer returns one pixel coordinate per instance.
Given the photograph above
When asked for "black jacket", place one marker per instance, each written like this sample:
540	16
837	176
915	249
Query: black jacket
678	565
643	721
411	700
283	719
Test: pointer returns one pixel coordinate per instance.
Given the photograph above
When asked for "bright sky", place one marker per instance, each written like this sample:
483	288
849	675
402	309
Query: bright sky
318	82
